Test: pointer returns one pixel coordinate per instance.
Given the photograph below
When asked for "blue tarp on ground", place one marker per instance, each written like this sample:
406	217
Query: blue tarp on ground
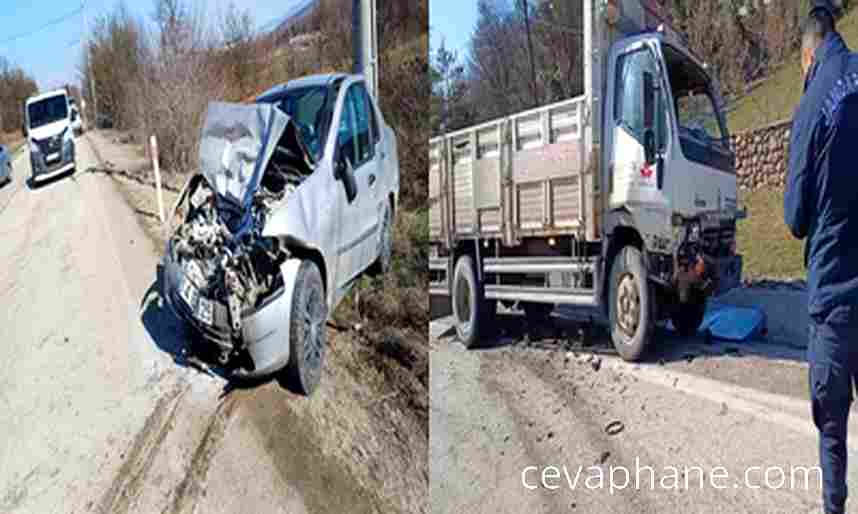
732	323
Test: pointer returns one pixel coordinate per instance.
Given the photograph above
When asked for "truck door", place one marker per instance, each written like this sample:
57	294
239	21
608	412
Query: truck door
632	125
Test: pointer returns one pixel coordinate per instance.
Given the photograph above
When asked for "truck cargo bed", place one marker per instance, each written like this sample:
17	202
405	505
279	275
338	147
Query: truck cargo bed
539	155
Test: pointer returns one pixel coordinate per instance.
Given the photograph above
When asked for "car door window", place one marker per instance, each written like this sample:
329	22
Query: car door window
362	120
373	120
347	138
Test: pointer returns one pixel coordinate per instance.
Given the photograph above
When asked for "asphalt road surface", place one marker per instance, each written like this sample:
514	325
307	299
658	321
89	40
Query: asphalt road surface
96	413
695	430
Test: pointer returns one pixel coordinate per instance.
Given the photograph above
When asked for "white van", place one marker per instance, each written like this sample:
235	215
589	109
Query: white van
50	137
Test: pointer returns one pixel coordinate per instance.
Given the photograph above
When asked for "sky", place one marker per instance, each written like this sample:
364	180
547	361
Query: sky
452	20
51	55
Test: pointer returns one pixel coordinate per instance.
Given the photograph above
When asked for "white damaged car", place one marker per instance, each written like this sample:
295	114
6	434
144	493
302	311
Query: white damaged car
294	201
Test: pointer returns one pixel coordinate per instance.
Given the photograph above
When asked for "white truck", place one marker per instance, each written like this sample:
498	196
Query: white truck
49	133
622	201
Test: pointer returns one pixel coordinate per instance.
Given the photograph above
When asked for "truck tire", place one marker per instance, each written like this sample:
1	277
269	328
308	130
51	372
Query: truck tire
473	314
687	317
631	305
307	330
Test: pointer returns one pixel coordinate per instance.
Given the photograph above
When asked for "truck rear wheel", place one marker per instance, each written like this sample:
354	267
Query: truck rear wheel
631	305
687	317
474	315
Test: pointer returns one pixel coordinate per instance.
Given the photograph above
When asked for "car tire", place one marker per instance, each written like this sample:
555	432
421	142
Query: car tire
384	251
474	316
307	330
687	317
631	305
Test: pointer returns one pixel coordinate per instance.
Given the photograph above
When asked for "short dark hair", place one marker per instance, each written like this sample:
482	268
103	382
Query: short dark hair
819	23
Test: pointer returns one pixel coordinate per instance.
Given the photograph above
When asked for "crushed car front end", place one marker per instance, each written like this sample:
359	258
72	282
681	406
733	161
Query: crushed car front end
221	275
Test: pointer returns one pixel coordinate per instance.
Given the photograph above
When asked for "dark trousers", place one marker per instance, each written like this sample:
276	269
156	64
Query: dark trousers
833	358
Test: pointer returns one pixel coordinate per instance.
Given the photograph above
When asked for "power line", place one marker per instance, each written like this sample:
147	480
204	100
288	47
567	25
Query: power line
51	23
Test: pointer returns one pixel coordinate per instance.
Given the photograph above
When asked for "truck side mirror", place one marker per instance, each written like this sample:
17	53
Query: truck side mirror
343	173
649	142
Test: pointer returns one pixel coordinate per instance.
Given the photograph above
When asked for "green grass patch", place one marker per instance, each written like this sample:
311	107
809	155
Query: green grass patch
764	240
776	98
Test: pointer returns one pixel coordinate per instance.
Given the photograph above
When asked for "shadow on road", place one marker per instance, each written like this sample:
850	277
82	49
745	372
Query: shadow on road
34	185
563	332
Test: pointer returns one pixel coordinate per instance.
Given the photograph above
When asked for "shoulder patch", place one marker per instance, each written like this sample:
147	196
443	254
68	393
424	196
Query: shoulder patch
844	87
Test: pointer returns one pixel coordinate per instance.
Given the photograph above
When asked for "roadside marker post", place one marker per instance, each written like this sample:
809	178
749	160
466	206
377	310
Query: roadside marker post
154	143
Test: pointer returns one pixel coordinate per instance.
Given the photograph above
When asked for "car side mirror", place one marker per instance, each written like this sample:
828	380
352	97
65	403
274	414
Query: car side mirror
343	173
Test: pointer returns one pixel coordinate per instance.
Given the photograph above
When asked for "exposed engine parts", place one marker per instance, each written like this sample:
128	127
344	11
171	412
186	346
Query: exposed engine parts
228	267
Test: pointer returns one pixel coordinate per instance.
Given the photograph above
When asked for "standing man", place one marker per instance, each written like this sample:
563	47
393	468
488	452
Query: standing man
821	204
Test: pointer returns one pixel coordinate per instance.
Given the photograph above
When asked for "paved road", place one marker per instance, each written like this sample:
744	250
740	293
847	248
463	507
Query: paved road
96	415
693	408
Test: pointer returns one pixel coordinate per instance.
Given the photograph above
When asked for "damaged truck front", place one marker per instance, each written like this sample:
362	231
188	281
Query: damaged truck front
259	243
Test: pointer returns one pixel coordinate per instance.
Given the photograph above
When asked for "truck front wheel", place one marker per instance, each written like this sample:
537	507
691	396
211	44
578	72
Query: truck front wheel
474	315
631	304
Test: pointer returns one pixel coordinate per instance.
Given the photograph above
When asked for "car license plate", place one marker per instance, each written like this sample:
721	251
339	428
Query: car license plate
189	293
205	311
53	157
194	273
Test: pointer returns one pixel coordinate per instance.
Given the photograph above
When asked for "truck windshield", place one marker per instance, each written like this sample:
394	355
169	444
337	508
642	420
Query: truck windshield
696	110
703	136
308	107
47	111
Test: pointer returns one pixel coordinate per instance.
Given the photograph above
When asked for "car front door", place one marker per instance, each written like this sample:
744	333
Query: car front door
355	157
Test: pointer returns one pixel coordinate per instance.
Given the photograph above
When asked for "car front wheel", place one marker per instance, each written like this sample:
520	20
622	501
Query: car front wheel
307	330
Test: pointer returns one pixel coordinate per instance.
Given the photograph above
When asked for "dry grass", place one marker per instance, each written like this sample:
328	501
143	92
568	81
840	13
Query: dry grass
769	249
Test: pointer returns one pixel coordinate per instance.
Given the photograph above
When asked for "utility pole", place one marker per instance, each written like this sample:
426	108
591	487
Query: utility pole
365	43
85	48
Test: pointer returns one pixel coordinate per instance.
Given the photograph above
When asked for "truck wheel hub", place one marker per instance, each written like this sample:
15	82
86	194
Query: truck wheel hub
463	303
628	305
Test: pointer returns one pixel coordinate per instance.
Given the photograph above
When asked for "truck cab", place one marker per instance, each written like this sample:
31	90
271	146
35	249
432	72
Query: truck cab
49	133
669	173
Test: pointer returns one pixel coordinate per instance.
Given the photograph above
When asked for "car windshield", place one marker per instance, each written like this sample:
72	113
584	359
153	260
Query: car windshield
308	107
47	111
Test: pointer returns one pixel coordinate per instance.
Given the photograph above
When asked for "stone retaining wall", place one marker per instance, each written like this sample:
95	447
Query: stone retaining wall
762	156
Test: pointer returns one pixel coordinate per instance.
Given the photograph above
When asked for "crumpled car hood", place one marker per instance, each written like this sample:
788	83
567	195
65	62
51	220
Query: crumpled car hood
237	142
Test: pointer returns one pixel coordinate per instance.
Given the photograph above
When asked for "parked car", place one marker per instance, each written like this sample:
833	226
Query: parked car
295	201
47	127
5	165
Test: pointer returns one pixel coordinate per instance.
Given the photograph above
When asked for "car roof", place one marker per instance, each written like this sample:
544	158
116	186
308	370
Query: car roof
322	79
49	94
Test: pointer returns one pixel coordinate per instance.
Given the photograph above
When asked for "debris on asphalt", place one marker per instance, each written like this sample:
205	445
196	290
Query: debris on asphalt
603	458
616	426
596	363
723	411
